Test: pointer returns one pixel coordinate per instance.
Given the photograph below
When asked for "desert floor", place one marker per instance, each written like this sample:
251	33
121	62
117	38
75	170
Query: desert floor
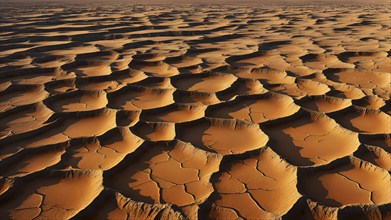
195	112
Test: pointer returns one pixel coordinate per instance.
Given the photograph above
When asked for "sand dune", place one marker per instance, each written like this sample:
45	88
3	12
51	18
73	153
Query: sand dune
272	110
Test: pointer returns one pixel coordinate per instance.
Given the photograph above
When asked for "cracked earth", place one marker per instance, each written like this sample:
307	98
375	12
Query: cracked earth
195	112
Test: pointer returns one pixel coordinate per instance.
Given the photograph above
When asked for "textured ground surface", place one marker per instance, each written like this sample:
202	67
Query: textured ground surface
195	112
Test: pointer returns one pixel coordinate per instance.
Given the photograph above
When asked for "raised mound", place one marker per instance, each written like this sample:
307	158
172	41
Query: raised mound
224	136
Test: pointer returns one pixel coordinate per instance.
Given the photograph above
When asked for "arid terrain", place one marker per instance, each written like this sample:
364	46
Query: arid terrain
195	111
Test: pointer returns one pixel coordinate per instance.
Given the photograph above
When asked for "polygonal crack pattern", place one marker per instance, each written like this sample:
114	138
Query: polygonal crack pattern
195	112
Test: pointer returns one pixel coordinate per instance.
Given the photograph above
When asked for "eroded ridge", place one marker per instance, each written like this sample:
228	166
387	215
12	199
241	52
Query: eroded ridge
127	111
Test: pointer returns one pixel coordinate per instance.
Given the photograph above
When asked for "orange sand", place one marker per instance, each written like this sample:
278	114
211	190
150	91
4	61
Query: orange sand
206	111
